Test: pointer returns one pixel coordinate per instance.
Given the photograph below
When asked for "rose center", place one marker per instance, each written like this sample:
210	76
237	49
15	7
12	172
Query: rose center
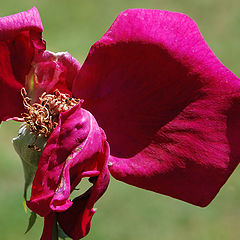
42	117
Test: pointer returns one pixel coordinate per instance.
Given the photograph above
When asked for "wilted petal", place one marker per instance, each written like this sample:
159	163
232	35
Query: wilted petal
76	221
74	147
20	39
52	71
25	63
169	107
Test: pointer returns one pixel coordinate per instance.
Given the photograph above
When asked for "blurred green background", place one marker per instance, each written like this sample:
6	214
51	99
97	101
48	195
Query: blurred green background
125	212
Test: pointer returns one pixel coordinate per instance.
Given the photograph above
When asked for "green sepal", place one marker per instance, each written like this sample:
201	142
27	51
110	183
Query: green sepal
25	204
28	156
29	173
31	222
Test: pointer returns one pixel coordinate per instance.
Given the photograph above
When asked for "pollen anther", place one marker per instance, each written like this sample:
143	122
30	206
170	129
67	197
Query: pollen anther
42	117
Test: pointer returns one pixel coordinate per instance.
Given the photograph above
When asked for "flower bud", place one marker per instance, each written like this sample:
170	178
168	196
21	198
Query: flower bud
29	147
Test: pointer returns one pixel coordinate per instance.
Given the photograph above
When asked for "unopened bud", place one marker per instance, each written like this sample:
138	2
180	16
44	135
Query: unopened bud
29	147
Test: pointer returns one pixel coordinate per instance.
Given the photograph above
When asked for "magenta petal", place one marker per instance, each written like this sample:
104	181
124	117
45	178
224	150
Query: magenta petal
53	71
169	107
74	147
11	25
25	63
76	221
20	40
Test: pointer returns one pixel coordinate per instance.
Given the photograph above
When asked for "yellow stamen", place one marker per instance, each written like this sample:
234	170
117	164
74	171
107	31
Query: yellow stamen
42	117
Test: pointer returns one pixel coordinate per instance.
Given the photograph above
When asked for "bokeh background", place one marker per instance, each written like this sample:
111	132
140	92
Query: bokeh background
125	212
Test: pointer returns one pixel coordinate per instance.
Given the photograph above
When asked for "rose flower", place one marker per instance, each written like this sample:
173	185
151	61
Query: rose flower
151	88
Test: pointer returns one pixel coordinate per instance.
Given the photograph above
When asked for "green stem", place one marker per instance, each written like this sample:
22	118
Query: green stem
55	229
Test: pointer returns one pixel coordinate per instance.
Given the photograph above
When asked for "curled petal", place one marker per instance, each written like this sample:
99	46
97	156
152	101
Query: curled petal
11	25
51	71
20	41
169	107
73	148
25	63
76	221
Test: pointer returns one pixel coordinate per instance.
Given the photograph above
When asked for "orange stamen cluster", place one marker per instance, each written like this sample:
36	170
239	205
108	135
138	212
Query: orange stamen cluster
42	117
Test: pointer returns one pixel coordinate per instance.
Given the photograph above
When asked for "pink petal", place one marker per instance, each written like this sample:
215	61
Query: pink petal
24	63
52	71
76	221
20	39
11	25
73	148
169	107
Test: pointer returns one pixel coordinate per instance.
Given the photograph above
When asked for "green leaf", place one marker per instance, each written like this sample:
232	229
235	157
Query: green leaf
32	220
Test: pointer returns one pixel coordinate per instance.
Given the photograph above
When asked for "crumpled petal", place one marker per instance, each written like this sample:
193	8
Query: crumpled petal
25	63
52	71
73	151
76	221
169	107
20	40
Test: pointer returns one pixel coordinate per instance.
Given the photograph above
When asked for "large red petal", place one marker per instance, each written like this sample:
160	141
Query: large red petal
169	107
20	40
